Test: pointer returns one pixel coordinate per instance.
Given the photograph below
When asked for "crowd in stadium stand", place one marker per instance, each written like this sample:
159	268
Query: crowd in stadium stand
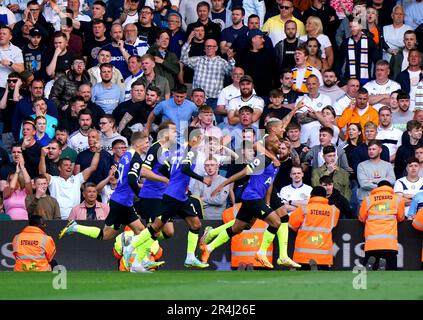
341	78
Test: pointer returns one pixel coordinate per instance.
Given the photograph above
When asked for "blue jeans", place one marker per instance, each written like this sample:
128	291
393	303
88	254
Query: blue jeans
354	199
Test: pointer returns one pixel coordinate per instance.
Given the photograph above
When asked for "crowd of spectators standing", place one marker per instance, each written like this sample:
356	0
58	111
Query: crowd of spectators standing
340	82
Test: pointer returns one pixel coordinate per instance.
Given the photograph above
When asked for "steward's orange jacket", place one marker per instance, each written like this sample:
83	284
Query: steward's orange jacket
418	220
418	225
245	245
33	250
381	211
314	224
352	116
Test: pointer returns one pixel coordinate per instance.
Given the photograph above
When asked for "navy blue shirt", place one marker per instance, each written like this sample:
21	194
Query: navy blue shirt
240	44
114	9
129	164
230	34
176	42
179	181
118	60
84	159
154	159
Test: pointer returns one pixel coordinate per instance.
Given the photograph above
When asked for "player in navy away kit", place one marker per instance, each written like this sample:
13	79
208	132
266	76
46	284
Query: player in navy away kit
254	206
122	211
151	193
176	202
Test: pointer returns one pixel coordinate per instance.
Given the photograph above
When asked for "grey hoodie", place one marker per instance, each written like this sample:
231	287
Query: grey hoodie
106	142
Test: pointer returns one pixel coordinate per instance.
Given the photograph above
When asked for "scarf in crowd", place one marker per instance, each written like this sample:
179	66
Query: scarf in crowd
308	73
363	76
419	96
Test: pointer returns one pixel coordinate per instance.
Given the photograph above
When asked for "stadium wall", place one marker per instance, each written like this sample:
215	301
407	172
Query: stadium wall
77	252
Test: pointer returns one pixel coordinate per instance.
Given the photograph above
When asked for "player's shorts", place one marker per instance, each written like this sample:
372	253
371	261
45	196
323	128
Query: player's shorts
198	205
149	208
172	207
120	215
251	209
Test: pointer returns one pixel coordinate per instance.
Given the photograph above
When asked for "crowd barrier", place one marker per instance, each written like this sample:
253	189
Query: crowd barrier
77	252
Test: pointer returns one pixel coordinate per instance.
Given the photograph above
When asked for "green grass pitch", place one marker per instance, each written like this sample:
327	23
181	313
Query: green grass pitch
205	285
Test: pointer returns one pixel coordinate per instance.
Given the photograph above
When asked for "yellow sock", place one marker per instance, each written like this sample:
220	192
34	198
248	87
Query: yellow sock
91	232
143	249
267	240
222	238
283	233
141	238
192	242
215	231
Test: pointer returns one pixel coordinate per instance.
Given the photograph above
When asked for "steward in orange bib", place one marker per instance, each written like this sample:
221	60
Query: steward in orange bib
33	249
381	211
314	224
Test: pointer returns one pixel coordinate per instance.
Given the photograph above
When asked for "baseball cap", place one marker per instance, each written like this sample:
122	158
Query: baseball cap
255	32
35	32
246	78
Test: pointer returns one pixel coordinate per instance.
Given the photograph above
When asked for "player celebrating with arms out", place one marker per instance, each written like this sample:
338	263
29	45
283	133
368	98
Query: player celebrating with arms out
176	202
122	211
253	205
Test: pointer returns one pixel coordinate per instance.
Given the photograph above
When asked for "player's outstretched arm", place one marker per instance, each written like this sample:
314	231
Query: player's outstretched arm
150	175
259	147
186	169
94	163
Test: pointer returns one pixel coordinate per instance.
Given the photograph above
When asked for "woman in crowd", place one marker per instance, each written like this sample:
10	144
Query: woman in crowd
354	140
315	55
14	194
374	31
314	29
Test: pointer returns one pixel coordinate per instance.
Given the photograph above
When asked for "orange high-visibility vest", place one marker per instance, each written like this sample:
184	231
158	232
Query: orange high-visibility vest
245	245
381	211
418	225
314	224
352	116
33	249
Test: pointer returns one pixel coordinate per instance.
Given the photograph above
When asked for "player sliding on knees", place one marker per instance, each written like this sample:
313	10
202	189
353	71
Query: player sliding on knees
122	211
176	202
138	255
263	172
